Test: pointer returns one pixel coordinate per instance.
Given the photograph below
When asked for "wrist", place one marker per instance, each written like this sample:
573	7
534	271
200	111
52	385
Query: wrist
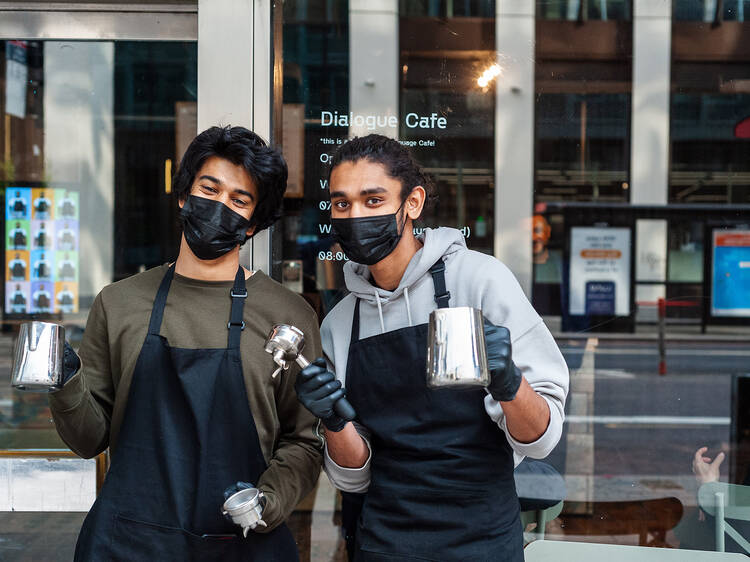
334	424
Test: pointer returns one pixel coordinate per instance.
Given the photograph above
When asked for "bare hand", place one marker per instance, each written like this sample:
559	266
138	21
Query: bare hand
704	468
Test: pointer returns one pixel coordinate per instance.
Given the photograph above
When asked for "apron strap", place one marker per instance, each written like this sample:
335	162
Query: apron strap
157	312
442	295
355	324
236	323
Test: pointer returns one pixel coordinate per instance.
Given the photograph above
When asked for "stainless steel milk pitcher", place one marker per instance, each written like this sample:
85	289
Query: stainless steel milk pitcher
38	357
456	352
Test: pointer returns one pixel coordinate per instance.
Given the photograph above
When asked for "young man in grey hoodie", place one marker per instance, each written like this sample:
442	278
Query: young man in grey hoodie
437	465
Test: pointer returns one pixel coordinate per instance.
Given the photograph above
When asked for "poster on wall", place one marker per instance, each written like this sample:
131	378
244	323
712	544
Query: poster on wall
599	271
730	288
41	250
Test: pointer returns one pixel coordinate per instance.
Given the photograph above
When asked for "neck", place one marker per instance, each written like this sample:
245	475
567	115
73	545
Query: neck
388	272
220	269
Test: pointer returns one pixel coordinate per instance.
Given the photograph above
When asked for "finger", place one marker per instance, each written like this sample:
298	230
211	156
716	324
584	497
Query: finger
324	391
320	362
316	382
503	332
333	398
699	453
706	459
311	370
718	460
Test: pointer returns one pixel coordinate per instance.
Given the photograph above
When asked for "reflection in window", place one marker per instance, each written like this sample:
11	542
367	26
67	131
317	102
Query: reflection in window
711	10
581	10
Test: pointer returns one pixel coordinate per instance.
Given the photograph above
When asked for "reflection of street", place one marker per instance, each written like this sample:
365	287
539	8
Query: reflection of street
631	434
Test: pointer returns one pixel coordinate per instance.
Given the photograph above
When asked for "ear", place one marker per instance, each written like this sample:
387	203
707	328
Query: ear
181	201
415	202
250	230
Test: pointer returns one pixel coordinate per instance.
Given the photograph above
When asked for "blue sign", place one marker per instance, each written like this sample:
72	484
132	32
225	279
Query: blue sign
600	298
731	273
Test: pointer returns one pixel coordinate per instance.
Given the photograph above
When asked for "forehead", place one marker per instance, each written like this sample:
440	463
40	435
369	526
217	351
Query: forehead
353	177
230	175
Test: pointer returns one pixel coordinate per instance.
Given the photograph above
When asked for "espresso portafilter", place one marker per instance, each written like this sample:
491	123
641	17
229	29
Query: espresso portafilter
285	344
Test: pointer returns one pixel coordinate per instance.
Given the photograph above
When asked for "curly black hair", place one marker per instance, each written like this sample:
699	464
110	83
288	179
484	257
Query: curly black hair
396	158
265	165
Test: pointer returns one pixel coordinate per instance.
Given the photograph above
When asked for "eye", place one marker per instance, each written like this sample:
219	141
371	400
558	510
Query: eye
208	189
240	202
374	200
341	205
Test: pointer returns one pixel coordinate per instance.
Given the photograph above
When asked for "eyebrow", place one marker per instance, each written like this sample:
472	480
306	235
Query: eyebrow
368	191
219	182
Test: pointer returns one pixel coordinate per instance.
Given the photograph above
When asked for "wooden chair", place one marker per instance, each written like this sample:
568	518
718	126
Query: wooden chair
726	501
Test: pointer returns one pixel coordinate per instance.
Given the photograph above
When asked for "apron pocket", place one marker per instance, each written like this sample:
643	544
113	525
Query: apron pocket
134	540
446	525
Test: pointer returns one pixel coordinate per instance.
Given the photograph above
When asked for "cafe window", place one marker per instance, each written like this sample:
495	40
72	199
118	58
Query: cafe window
90	136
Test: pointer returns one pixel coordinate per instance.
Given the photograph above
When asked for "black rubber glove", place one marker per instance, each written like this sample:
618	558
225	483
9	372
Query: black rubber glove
71	363
505	376
234	488
318	390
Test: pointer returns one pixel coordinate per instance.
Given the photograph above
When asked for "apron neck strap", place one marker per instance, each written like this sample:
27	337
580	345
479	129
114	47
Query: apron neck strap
236	323
355	324
157	312
442	296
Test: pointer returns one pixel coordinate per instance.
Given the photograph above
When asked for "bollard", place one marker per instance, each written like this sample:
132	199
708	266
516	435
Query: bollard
662	305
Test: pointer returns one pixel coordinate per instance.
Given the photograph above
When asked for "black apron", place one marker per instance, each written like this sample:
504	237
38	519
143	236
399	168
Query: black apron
42	302
19	207
442	483
41	239
187	434
42	206
41	270
19	240
18	271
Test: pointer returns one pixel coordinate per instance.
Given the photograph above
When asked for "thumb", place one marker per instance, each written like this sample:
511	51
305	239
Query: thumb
718	460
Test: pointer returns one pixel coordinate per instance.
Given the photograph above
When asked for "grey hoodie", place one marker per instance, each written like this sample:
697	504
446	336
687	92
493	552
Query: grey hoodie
473	279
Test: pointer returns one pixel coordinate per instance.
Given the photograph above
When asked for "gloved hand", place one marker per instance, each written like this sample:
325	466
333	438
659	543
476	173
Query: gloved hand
505	376
318	391
71	363
236	487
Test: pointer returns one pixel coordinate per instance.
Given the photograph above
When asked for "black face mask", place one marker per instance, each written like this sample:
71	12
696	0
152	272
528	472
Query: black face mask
211	228
367	240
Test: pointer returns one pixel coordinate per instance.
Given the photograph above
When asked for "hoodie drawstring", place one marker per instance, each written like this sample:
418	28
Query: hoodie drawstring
380	312
408	306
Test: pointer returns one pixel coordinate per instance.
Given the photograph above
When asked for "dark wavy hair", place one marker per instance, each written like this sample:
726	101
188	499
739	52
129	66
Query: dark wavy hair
241	147
396	158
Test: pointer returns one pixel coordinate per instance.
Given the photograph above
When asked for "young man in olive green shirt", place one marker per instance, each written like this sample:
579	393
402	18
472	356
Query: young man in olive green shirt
160	381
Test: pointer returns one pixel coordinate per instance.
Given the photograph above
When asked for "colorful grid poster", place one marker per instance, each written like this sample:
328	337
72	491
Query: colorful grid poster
41	250
730	291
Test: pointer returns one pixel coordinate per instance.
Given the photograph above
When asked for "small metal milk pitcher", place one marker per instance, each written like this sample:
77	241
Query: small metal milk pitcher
456	352
38	357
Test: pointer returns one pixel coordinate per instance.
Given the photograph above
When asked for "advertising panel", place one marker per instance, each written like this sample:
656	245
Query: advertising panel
600	271
41	250
730	289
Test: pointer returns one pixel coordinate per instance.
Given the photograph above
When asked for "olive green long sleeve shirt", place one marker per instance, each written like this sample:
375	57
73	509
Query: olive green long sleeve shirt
88	412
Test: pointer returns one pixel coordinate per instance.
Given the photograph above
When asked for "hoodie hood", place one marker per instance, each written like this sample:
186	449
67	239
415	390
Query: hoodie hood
437	243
